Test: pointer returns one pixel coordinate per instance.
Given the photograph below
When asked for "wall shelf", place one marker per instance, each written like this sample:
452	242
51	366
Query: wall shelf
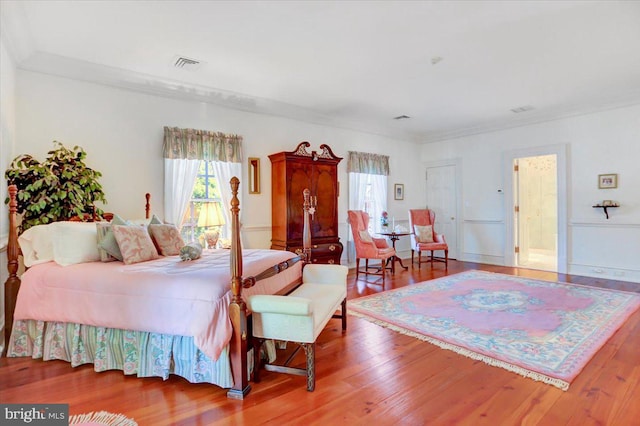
606	213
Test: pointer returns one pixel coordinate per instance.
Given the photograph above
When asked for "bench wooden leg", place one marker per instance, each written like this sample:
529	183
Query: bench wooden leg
310	350
257	361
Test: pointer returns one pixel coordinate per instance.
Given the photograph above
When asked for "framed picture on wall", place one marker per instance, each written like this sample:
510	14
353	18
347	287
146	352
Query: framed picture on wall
608	181
398	191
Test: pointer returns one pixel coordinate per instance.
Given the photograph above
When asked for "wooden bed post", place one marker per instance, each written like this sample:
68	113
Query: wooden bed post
147	206
237	308
12	285
306	230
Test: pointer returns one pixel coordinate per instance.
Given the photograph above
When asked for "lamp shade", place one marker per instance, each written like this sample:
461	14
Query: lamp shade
211	214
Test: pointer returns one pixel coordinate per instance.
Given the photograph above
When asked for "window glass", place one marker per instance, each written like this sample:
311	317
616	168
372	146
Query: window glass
205	190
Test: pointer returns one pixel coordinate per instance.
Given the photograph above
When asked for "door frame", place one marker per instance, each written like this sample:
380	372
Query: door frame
457	167
561	152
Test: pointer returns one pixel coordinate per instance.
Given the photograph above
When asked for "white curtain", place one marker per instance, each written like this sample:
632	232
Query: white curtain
357	190
224	171
378	199
179	180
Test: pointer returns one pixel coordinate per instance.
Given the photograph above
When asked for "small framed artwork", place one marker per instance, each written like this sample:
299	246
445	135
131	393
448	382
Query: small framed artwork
608	181
398	191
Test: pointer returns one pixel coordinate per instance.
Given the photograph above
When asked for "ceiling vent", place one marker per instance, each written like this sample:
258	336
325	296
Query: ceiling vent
522	109
184	63
401	117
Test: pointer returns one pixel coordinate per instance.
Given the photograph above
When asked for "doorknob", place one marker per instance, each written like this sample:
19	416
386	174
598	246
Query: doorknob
453	218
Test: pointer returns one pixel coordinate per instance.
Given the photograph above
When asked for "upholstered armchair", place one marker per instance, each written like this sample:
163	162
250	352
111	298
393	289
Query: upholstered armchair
424	238
368	247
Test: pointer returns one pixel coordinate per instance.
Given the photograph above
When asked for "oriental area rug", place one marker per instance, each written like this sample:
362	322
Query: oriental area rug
546	331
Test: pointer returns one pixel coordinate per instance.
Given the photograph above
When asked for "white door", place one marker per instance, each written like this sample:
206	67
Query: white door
442	199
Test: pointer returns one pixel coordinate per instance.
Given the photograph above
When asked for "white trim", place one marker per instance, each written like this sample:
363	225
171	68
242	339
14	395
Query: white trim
61	66
482	258
561	152
587	224
484	221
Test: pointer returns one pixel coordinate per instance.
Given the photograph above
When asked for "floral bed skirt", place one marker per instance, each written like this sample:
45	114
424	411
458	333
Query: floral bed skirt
134	352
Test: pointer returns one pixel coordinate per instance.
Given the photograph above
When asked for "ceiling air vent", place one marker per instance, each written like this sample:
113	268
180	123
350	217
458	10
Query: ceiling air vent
401	117
185	63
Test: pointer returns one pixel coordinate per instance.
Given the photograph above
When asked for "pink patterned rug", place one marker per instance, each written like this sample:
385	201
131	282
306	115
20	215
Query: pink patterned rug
543	330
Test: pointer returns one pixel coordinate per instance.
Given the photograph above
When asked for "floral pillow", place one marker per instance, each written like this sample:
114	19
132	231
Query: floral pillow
167	239
135	243
424	234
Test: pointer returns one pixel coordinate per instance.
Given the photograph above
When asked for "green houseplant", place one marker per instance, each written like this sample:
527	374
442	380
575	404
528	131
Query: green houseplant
58	188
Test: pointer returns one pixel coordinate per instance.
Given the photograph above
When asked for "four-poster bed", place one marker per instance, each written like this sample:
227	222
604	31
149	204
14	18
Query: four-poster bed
36	311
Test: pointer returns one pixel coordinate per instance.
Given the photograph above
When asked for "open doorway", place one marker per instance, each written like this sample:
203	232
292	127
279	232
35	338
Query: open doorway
536	212
561	153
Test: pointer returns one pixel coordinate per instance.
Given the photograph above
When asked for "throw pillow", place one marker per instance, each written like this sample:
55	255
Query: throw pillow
424	234
364	236
104	228
167	239
108	243
135	243
75	242
191	251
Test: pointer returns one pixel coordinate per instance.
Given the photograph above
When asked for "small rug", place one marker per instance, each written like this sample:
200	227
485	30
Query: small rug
101	418
544	330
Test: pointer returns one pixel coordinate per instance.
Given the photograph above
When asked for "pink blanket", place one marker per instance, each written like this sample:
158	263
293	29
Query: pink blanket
163	296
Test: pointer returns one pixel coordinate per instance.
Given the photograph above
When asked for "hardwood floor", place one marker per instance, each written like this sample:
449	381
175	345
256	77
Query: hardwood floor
370	375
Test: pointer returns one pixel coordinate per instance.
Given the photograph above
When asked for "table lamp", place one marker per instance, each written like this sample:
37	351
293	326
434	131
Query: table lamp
211	217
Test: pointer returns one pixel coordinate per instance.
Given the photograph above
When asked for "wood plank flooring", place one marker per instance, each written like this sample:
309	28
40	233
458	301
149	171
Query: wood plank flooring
370	375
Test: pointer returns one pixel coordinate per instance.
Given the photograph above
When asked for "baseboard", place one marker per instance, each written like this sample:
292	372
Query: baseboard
618	274
482	258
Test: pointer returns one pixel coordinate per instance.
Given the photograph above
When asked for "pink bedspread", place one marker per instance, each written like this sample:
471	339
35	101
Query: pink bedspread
163	296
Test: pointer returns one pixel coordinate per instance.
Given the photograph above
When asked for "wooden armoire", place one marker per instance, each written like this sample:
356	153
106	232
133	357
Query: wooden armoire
292	173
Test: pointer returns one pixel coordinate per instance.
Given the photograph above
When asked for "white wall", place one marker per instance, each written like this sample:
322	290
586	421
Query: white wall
122	133
603	142
7	137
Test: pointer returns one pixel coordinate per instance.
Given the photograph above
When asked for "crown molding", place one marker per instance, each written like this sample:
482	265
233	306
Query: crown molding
129	80
536	117
61	66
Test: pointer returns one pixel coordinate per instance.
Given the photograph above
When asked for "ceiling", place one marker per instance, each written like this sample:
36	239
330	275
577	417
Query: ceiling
454	67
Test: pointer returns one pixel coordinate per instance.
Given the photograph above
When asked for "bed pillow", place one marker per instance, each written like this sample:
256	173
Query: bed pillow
75	242
167	239
103	229
135	243
107	244
36	244
424	234
191	251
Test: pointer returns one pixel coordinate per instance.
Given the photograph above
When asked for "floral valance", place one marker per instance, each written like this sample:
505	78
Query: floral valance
364	162
194	144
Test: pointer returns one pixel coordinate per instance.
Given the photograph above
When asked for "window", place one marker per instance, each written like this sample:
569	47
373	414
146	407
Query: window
370	195
205	190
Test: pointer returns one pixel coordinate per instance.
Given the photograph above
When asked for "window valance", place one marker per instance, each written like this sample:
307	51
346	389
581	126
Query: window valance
364	162
192	144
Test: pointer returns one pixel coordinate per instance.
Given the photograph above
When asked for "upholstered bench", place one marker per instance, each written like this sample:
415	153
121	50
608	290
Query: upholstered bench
300	316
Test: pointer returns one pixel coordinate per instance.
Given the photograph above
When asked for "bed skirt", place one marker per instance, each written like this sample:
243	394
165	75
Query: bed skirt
144	354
